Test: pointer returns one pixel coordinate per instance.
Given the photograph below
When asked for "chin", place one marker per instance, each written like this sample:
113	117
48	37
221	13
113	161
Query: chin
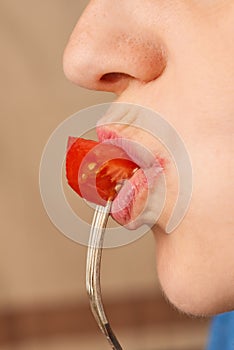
189	288
191	298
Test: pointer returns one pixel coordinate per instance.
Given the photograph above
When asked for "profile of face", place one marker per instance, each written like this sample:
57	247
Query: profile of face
176	58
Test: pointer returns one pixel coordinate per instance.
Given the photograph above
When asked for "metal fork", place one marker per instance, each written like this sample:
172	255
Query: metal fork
93	267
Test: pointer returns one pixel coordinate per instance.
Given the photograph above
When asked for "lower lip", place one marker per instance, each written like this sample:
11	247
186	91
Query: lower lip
132	198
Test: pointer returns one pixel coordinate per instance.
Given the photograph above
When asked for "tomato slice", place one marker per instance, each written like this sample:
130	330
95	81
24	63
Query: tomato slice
94	170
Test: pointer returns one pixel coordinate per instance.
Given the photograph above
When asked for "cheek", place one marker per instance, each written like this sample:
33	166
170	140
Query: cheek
213	169
195	264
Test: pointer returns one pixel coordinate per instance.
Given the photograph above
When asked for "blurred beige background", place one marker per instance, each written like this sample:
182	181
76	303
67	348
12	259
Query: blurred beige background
38	265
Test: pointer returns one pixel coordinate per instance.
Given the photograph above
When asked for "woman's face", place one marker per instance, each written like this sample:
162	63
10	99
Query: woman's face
175	57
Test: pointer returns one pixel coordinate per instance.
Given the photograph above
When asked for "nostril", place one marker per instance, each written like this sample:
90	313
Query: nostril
114	77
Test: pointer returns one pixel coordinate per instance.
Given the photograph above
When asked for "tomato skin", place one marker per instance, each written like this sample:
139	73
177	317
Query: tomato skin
93	169
76	151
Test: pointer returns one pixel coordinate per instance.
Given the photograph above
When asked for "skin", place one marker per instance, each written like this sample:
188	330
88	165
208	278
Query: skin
175	57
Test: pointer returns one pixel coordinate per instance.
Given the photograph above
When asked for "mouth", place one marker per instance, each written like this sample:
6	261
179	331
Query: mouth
129	208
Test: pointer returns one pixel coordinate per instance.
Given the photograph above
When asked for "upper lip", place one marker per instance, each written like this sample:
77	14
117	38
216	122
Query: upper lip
142	156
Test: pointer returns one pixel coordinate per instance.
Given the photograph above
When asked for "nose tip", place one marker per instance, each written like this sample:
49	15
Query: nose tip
86	64
80	60
104	53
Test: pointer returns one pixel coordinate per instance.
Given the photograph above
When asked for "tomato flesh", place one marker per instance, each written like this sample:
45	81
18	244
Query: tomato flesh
94	170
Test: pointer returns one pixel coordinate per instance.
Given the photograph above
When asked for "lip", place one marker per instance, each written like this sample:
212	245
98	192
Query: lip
131	202
143	157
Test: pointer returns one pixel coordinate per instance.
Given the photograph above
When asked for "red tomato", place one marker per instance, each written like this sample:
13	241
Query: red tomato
95	169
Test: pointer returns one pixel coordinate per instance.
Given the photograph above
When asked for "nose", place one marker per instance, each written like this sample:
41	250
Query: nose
109	48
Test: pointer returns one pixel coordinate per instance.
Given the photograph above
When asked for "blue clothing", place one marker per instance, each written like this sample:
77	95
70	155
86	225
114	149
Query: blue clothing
222	332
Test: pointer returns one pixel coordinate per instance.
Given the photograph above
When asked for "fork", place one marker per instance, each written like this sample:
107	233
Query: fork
93	268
